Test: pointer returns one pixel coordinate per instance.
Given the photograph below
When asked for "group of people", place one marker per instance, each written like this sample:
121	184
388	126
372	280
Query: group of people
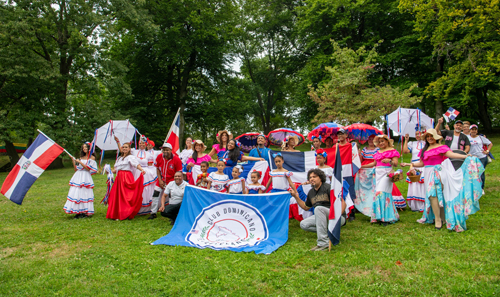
146	178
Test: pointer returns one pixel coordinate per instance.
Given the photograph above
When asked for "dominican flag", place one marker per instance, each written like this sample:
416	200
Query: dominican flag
337	193
261	166
173	134
451	114
31	165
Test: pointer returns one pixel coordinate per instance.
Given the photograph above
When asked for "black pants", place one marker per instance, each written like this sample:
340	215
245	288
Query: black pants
171	211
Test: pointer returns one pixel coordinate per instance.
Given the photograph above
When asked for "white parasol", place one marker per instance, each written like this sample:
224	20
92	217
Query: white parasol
407	121
105	135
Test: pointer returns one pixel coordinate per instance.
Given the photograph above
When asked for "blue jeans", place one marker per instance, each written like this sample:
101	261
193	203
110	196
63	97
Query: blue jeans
484	161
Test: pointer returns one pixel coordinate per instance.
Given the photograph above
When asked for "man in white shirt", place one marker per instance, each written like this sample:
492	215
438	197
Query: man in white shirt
175	191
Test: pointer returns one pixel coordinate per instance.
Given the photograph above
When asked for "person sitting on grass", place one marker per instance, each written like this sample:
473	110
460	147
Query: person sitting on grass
175	191
319	198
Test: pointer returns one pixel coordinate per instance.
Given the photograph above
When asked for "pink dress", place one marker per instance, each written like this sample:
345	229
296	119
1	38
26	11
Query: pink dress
435	156
218	148
398	198
205	158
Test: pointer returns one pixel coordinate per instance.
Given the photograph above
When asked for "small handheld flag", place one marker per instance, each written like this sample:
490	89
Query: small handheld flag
451	114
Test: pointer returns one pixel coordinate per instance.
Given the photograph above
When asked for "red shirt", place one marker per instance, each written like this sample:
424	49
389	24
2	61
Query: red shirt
168	168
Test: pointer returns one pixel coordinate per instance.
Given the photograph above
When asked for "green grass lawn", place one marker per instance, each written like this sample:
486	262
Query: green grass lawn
44	252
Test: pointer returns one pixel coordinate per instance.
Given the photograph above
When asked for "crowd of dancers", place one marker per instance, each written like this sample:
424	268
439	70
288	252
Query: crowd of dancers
149	180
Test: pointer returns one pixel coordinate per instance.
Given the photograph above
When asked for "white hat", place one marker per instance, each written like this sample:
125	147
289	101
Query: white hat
166	144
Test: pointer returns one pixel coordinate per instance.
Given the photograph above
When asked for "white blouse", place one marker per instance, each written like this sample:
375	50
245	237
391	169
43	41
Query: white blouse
126	164
143	157
329	173
219	181
185	155
280	181
235	186
415	147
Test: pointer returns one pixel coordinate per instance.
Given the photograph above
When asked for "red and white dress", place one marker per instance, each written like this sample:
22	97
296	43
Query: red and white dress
125	198
146	159
81	194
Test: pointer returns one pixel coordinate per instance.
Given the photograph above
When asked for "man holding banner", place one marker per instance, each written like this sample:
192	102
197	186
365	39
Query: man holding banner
319	198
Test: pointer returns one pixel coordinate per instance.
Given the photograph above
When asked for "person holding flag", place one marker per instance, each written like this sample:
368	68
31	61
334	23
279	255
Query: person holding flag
455	139
319	198
80	200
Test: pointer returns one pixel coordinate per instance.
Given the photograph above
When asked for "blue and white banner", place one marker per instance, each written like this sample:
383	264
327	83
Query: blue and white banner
239	223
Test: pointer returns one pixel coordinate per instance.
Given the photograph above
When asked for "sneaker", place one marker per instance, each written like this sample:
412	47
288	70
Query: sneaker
483	192
314	248
321	248
152	216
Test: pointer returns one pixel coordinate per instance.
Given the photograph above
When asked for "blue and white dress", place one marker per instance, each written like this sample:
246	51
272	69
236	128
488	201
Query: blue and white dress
254	189
280	181
416	190
235	186
219	181
81	194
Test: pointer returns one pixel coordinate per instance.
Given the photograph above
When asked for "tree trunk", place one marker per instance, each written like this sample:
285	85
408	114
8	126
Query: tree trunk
11	152
439	104
482	105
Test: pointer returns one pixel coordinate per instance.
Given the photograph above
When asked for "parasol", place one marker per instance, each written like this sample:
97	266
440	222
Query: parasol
361	132
277	136
325	130
407	121
249	141
105	136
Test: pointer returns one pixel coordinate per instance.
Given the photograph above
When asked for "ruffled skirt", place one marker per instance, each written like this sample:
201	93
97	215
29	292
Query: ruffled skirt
125	198
80	197
384	209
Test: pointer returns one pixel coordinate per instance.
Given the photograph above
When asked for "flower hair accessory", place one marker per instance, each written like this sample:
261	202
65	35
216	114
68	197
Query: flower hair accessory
240	168
277	154
223	160
321	152
314	137
238	144
144	139
259	173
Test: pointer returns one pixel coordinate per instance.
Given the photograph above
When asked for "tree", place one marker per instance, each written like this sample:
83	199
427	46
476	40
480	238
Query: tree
349	96
465	36
270	57
173	46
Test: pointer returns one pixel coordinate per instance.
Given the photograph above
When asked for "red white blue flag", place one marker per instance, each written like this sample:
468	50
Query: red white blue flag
337	193
31	165
173	134
451	113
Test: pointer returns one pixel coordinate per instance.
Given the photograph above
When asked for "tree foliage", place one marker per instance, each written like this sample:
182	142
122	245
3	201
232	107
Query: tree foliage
349	96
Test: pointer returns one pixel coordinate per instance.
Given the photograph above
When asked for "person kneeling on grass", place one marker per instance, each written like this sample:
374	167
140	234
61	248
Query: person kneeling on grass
175	191
319	198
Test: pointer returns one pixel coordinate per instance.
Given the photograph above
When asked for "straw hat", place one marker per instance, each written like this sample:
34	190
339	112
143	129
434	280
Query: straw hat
434	134
390	141
229	135
198	141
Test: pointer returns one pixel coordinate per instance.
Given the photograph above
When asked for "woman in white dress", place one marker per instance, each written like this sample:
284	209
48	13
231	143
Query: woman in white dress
146	159
416	190
80	200
186	153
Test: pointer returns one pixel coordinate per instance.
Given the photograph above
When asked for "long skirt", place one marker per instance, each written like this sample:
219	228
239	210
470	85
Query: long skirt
365	190
384	209
80	197
416	192
458	191
149	188
125	199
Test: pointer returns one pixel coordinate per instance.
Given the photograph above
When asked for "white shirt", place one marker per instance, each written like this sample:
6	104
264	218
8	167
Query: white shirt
126	164
454	144
175	192
235	185
280	180
219	181
476	145
143	157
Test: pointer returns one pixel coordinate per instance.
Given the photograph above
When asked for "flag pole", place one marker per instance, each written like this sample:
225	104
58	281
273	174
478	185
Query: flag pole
55	142
171	126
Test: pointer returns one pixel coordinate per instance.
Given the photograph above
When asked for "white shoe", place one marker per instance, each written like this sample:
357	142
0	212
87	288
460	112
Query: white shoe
483	192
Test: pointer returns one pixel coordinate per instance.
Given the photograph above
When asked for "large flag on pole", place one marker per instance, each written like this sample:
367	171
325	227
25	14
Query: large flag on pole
173	134
31	165
336	194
